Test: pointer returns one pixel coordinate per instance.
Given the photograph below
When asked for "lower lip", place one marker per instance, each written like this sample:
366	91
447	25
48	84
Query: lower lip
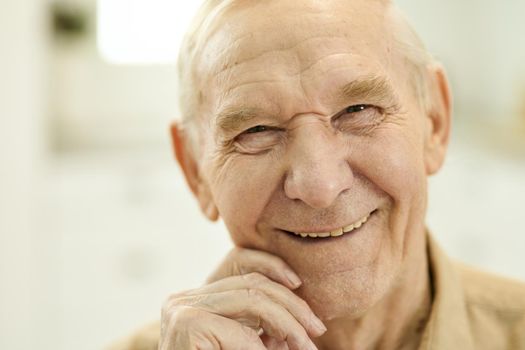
329	239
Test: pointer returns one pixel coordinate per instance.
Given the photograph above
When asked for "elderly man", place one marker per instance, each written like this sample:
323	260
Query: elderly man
311	127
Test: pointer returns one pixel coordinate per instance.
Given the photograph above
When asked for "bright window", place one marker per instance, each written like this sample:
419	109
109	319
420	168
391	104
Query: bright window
142	31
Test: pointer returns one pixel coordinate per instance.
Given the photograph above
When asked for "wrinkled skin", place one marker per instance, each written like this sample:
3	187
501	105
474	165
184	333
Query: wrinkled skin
304	163
250	291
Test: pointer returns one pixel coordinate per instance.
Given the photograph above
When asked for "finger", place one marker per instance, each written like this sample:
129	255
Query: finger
254	309
192	328
241	261
275	291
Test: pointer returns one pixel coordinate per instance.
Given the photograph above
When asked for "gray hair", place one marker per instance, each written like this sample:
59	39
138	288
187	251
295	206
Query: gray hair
406	41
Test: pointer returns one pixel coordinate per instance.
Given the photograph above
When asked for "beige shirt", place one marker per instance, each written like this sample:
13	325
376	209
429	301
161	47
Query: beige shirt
471	310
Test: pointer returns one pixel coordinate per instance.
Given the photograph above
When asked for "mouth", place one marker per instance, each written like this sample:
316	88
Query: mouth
338	232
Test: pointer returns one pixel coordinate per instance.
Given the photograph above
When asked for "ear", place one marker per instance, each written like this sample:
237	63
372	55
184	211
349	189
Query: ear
190	168
438	122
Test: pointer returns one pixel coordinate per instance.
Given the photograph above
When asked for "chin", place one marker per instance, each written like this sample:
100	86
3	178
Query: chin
348	294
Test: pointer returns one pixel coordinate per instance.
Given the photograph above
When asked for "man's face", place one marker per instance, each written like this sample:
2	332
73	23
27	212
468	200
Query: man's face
283	153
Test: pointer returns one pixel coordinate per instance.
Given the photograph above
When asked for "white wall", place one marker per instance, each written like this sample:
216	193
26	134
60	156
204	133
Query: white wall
482	46
97	104
22	297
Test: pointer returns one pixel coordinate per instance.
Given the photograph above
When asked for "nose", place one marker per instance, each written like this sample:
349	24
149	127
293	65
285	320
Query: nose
318	170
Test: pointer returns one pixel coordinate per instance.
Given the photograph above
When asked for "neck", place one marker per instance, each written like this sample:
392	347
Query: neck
396	322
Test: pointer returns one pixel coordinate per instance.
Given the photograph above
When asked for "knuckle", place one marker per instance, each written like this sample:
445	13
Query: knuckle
186	328
297	341
251	335
184	316
302	339
177	325
280	334
255	294
255	278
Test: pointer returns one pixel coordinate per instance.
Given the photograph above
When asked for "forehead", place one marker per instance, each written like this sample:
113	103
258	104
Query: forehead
247	29
315	43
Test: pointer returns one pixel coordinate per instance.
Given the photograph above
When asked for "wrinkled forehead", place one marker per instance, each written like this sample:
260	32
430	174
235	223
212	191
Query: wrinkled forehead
248	30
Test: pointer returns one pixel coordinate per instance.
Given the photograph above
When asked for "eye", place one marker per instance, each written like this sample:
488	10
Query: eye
258	139
257	129
357	108
359	119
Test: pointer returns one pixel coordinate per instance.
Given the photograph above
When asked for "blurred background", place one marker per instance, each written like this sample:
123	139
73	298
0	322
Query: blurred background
96	224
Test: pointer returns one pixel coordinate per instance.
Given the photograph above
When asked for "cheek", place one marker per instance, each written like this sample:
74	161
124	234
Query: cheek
242	190
394	163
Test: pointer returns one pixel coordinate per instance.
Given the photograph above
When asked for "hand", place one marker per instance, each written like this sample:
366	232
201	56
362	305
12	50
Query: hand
241	261
249	304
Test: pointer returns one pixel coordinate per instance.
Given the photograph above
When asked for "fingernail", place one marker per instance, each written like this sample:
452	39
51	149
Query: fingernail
319	325
292	278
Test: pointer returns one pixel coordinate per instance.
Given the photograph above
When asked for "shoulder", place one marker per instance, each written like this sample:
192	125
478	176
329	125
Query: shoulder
145	338
492	291
495	305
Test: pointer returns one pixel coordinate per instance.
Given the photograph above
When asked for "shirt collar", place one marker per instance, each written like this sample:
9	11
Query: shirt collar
448	325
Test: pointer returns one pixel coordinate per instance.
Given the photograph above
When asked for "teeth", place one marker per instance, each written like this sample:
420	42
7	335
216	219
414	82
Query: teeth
348	228
335	233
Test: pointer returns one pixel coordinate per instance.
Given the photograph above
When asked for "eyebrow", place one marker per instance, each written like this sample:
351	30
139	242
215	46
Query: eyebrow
232	119
368	89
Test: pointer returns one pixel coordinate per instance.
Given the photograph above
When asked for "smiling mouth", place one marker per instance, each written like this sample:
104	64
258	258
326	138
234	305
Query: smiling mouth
335	233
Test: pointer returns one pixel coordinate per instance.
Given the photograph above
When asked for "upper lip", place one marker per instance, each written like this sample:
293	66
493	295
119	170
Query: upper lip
313	229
